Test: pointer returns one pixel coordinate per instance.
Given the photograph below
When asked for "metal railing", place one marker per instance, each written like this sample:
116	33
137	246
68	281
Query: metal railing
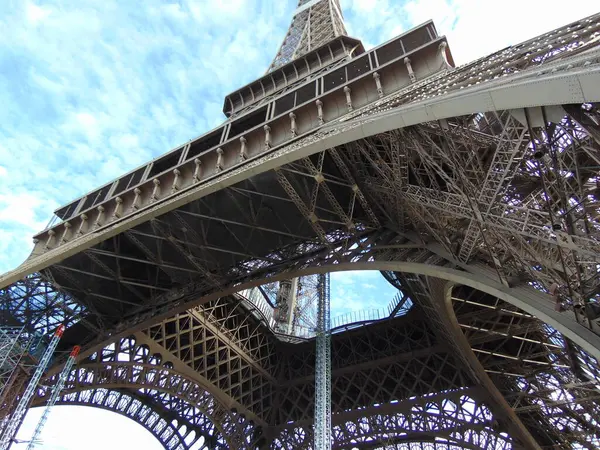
255	302
53	221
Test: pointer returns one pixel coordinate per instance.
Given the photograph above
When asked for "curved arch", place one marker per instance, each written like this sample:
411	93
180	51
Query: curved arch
136	348
540	375
171	388
458	419
301	441
527	299
149	416
569	84
533	303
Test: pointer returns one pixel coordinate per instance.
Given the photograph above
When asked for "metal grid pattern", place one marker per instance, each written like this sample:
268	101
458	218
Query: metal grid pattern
130	367
322	422
314	24
544	377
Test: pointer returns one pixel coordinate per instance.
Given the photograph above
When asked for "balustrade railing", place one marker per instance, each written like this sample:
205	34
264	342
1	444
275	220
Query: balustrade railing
53	221
254	300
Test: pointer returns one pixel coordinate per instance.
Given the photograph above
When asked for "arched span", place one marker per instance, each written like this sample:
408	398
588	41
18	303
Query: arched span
173	435
525	298
570	83
532	370
457	419
175	393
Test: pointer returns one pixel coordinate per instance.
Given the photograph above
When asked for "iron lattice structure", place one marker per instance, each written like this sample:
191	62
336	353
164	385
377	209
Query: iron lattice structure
314	24
473	189
322	422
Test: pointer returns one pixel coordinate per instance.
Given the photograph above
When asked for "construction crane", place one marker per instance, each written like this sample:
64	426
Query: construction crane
323	367
15	420
56	390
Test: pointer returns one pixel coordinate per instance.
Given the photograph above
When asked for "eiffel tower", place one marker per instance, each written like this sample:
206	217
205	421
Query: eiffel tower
474	190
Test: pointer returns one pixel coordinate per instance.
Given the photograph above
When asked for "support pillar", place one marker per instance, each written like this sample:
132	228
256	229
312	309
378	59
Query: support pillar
323	368
286	304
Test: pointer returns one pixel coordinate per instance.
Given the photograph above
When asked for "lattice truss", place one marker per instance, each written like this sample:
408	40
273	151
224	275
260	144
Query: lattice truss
393	382
455	422
439	173
511	205
38	305
547	380
314	24
142	376
390	384
293	217
512	195
378	371
130	379
304	315
311	220
364	241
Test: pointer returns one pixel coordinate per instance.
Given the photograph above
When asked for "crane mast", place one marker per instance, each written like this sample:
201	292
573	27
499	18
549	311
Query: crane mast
15	420
56	390
323	367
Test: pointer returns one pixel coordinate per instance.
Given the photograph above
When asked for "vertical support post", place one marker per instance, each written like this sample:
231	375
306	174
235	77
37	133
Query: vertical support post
411	73
15	420
293	127
323	368
348	93
319	104
286	304
243	149
377	79
56	390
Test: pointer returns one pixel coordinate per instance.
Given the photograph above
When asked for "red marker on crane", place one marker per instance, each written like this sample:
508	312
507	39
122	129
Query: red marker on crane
54	394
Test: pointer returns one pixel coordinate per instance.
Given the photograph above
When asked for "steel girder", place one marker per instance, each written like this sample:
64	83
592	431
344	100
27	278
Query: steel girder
120	259
39	305
226	348
132	369
517	238
385	364
547	380
457	418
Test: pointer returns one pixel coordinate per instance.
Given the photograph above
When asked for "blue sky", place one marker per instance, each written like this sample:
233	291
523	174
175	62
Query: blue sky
93	88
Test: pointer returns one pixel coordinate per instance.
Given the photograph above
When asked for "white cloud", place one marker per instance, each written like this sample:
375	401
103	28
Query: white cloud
93	91
358	291
474	28
36	14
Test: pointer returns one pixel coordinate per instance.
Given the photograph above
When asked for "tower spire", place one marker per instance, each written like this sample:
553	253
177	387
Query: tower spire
315	22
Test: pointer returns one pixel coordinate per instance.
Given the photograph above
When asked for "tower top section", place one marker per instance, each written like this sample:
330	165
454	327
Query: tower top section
315	23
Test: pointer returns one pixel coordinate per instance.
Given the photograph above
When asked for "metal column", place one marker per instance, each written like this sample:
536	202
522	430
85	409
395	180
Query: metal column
56	390
323	368
286	303
15	420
